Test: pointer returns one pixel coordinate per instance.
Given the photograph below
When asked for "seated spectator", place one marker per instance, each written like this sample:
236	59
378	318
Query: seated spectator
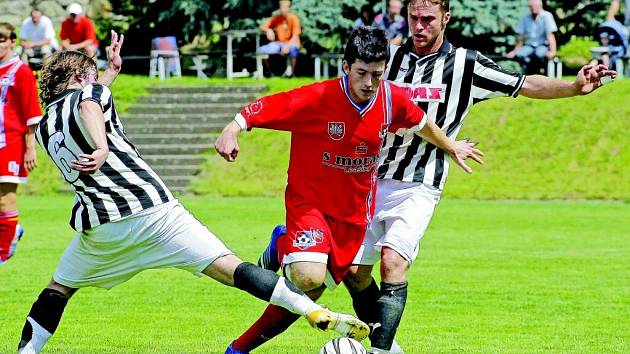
536	42
613	40
283	31
394	24
366	17
77	32
37	36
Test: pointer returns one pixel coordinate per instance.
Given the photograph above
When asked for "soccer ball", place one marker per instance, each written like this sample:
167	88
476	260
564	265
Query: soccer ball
343	345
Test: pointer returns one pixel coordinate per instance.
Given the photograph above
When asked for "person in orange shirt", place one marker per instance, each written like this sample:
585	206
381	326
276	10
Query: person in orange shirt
283	31
77	32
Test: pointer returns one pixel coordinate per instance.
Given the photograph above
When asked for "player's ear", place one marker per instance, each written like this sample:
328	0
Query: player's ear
446	18
346	67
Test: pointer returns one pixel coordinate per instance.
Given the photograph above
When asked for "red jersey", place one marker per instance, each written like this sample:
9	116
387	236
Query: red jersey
18	96
78	32
335	143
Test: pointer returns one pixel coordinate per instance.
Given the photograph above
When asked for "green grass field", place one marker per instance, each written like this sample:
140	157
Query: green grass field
492	277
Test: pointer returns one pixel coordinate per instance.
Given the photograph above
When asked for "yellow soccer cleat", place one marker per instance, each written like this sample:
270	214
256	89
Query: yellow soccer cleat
346	325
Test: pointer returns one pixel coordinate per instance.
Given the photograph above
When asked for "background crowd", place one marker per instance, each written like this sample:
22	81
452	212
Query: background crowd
528	32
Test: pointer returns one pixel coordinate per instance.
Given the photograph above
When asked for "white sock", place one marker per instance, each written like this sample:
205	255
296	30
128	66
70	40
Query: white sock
38	339
292	301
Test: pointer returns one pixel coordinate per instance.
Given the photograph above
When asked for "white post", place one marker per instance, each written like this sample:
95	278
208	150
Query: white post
318	68
230	59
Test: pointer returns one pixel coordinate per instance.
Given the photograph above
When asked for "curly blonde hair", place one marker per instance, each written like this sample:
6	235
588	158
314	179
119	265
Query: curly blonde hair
59	71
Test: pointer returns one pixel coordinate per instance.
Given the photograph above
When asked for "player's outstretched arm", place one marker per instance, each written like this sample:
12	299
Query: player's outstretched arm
589	78
227	143
457	150
114	61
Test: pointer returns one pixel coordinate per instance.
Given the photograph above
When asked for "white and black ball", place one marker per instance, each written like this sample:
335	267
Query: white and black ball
343	345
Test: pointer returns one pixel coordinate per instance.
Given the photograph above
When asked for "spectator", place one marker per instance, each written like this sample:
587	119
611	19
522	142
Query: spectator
20	112
283	31
613	40
366	17
394	24
77	32
37	36
536	41
614	8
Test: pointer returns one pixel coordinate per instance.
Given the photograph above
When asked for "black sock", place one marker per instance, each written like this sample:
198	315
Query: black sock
390	305
364	303
46	312
259	282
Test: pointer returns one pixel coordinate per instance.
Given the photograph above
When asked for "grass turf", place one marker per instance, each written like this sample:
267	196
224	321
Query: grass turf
492	277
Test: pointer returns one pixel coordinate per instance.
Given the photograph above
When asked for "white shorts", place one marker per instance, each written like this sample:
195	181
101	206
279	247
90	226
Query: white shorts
402	215
163	236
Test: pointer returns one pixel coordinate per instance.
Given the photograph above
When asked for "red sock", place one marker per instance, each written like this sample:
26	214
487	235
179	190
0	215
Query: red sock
8	223
273	321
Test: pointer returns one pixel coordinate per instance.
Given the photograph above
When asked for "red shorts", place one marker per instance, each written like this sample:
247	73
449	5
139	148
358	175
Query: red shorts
315	237
12	163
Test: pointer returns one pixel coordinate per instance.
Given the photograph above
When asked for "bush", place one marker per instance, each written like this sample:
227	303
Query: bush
576	52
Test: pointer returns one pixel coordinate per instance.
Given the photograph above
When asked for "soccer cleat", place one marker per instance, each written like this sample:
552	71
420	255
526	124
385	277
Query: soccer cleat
346	325
269	258
19	232
230	350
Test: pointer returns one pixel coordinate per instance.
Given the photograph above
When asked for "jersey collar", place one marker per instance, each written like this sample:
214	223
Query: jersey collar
10	61
361	109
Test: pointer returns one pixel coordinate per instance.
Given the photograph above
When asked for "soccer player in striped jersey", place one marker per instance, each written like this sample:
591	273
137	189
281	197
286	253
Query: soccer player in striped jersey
125	217
19	114
337	129
445	82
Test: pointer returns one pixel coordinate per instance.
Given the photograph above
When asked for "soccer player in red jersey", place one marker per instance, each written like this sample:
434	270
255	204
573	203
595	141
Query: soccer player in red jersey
337	130
19	114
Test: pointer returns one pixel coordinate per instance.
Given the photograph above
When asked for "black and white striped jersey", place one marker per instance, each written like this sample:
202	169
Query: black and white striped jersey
124	185
445	85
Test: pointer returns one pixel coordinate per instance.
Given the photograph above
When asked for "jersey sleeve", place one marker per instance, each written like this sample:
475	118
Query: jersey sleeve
63	35
29	102
100	94
490	80
90	31
405	113
288	111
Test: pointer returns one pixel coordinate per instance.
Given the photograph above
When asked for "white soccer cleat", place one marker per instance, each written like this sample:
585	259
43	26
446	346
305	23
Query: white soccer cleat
346	325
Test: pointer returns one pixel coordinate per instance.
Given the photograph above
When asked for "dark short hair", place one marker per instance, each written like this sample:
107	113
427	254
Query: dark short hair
368	44
444	4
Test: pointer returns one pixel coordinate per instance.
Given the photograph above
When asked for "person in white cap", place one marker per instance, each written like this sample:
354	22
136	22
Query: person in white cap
77	32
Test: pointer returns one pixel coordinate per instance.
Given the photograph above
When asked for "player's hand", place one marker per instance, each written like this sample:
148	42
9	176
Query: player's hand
30	159
90	163
227	143
113	51
589	77
465	149
286	49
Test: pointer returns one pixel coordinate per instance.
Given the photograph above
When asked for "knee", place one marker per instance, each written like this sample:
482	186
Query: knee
306	278
393	266
68	292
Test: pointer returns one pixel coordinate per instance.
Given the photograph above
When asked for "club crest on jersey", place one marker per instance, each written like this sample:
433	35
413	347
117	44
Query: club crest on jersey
254	108
425	92
304	239
6	81
336	130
